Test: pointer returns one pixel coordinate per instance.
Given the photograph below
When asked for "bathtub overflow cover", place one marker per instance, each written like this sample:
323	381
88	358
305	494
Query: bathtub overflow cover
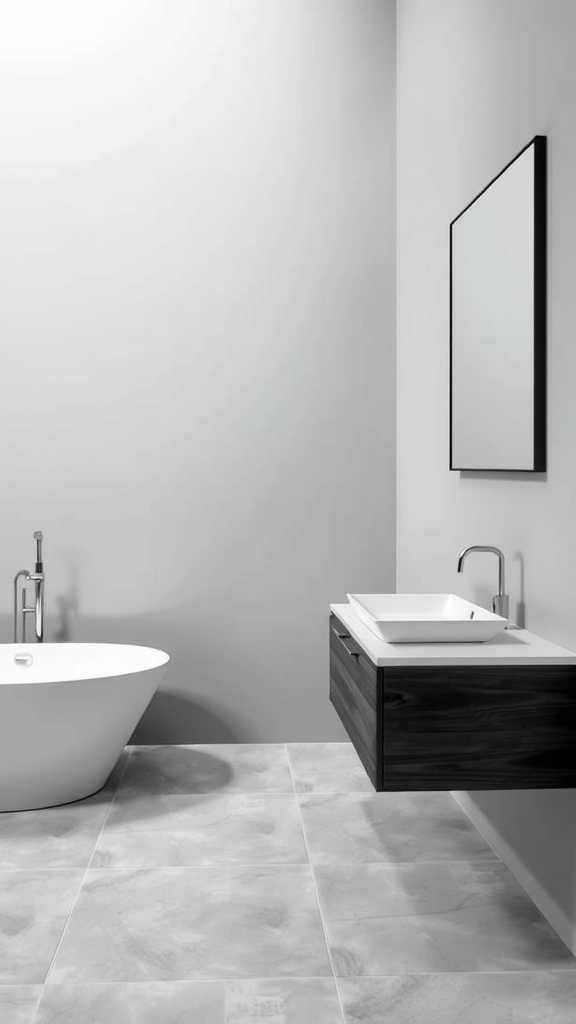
23	659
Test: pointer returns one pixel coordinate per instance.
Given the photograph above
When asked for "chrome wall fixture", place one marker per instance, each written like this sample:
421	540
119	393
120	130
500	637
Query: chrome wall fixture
37	609
500	601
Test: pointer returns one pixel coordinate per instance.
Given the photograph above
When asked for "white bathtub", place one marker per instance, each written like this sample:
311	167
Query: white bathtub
66	715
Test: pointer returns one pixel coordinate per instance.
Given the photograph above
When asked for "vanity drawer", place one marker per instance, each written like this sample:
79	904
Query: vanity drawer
356	696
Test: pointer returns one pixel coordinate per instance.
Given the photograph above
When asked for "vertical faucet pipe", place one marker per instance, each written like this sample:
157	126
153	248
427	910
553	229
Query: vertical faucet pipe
39	606
23	572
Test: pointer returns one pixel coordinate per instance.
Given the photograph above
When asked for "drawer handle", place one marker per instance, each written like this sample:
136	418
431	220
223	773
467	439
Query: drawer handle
353	654
342	637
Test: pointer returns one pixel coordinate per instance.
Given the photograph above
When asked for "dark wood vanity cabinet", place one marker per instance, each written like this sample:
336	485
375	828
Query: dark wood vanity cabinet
442	727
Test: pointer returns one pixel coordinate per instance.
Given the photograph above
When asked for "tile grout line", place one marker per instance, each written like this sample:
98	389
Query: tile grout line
215	866
487	862
80	887
109	811
322	922
35	1011
272	864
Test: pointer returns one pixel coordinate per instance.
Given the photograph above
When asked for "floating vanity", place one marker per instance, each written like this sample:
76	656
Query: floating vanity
441	716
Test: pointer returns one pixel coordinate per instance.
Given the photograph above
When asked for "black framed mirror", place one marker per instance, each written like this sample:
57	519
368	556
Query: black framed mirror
498	321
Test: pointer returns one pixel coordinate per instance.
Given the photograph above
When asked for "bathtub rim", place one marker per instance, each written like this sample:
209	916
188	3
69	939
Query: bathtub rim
10	673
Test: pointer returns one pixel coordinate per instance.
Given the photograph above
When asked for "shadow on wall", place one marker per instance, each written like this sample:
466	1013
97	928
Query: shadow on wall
493	474
521	602
539	827
174	715
175	718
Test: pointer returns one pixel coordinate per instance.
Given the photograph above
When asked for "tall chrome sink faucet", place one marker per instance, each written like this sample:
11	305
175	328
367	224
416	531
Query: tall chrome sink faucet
500	600
37	578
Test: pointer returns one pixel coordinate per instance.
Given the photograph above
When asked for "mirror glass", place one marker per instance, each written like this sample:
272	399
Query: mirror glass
498	321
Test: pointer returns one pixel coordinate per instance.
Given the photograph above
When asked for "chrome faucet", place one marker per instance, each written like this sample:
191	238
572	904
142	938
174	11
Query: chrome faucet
500	600
37	609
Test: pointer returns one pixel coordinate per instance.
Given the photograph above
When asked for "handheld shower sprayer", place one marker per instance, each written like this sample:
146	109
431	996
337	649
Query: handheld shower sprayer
39	537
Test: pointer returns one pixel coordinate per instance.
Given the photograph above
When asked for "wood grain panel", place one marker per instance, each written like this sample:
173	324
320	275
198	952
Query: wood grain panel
357	699
482	727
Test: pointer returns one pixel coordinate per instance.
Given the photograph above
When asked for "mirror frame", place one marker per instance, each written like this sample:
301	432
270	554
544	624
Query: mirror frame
539	332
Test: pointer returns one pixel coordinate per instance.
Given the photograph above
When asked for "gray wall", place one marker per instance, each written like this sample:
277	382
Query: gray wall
197	321
476	81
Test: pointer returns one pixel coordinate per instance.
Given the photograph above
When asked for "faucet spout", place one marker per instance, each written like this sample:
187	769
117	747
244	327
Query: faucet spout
500	600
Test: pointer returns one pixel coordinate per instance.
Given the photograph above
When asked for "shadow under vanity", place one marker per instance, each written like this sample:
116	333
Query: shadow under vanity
498	715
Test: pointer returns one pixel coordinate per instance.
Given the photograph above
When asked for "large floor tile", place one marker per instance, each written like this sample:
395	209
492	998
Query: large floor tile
514	998
18	1002
54	837
237	829
194	923
366	828
327	768
34	906
167	1002
183	770
419	918
283	1001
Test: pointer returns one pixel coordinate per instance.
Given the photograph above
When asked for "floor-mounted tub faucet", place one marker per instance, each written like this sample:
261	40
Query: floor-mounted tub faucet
500	600
37	578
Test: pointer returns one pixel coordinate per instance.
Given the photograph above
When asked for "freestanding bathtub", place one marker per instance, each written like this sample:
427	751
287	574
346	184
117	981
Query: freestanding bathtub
66	712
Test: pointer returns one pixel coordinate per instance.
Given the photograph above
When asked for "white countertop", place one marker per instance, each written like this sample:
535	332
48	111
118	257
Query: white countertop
511	647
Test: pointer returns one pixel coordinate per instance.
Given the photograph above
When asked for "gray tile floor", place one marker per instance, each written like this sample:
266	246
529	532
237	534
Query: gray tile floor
240	884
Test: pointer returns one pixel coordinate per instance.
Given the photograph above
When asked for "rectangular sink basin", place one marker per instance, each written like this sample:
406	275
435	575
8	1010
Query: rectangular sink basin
426	618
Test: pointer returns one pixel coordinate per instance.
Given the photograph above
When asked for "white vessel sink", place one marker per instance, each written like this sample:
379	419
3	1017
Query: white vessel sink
425	618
